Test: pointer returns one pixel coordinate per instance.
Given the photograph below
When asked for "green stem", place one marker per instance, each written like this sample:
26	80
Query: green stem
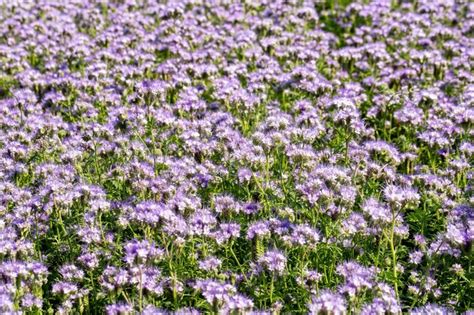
272	286
394	255
140	292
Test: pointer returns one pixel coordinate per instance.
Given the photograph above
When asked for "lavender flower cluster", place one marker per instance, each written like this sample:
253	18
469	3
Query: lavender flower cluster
236	157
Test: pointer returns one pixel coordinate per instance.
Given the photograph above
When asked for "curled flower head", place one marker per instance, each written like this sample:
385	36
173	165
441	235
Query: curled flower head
327	302
273	261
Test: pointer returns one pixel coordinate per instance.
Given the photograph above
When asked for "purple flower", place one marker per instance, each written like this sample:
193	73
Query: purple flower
210	264
327	302
226	232
226	204
377	211
214	291
65	288
29	300
431	309
119	309
355	223
238	302
356	277
401	196
273	261
309	279
251	208
258	229
304	235
71	272
90	260
416	257
244	175
141	251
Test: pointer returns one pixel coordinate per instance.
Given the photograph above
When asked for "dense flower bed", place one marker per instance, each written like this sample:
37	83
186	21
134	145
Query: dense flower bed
236	157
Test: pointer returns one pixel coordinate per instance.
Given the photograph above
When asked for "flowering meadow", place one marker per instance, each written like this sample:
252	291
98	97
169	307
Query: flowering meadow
236	157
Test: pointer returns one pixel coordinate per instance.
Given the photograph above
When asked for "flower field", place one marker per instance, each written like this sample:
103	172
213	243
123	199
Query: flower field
236	157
